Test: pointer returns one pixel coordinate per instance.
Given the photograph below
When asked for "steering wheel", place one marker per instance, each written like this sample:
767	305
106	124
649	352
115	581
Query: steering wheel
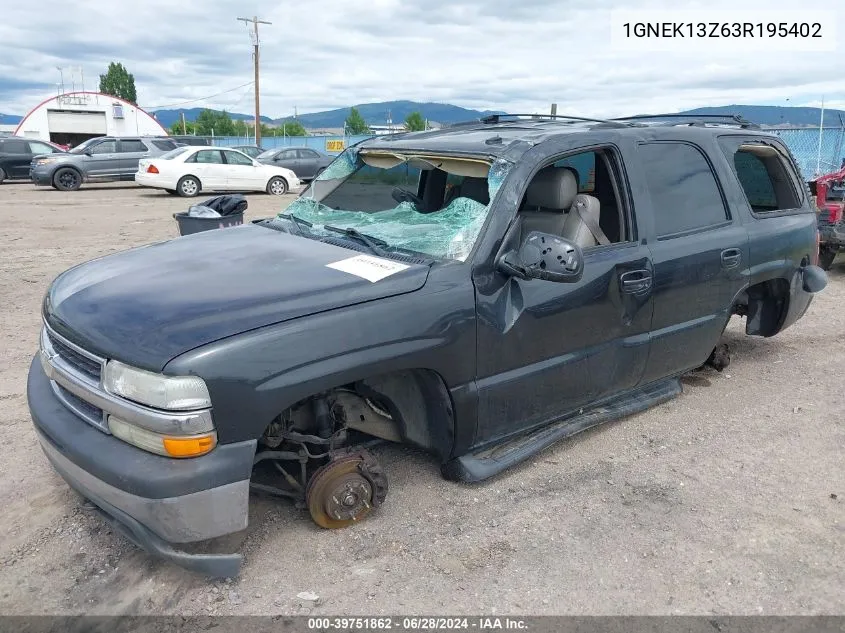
402	195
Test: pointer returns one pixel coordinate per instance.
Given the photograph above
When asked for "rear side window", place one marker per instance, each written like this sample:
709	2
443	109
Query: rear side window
165	145
207	156
14	146
132	145
765	178
684	192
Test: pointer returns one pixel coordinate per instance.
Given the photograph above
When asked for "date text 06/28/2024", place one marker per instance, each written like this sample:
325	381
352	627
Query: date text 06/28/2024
742	31
419	623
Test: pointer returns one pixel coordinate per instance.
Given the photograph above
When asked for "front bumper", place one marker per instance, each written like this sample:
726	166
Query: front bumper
42	174
156	501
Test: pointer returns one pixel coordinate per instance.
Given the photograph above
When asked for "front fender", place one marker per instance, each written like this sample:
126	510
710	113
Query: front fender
254	376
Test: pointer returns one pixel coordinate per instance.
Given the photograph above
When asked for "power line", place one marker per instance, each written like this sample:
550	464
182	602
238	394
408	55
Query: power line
173	105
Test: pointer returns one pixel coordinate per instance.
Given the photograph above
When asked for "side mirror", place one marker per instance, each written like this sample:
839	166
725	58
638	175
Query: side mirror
814	279
88	152
544	256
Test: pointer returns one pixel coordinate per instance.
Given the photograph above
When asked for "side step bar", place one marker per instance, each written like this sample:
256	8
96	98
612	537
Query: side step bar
491	461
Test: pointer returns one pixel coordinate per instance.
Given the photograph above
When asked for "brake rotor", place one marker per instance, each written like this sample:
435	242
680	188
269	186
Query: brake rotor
344	491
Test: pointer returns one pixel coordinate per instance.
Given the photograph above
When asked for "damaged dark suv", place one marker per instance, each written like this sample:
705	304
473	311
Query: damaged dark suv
480	292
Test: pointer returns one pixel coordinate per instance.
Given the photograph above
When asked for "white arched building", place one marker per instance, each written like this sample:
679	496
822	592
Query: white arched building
73	117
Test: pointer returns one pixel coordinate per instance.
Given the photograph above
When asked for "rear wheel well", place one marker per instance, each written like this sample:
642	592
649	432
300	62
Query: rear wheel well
765	304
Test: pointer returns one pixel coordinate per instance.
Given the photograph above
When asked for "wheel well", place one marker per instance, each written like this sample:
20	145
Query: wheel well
765	304
71	167
199	182
408	406
272	178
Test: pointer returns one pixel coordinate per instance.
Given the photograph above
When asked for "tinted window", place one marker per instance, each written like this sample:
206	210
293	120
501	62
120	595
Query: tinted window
684	191
106	147
14	146
764	179
165	145
132	145
175	152
308	153
233	158
207	156
41	148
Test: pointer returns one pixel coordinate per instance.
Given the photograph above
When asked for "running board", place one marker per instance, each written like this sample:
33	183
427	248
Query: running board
474	467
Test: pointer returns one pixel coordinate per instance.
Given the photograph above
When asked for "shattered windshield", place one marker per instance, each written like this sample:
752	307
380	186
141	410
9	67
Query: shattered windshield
433	205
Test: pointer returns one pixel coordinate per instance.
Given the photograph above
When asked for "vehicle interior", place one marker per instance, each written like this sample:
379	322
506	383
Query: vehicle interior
577	198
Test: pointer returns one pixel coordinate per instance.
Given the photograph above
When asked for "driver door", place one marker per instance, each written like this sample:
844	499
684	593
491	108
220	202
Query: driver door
548	349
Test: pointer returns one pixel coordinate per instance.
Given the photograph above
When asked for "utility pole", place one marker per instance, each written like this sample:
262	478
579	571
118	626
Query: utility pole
255	42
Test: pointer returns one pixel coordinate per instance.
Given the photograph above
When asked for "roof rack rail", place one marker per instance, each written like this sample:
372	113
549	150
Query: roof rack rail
696	119
497	118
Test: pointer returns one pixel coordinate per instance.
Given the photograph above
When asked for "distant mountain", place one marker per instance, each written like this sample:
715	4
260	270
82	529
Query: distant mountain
9	119
169	117
377	114
778	115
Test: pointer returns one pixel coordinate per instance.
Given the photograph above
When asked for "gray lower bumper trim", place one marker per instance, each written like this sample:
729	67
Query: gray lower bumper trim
189	518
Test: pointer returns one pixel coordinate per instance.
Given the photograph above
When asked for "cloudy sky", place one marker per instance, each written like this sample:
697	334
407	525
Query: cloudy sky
516	55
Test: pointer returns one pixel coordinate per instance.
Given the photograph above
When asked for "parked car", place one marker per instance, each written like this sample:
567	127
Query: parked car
16	154
829	191
100	159
250	150
189	139
188	170
305	162
478	292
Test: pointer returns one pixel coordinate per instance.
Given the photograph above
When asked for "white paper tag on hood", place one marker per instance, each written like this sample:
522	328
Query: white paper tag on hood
368	267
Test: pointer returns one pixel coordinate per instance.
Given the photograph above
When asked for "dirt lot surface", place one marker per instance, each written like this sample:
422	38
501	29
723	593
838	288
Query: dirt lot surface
726	500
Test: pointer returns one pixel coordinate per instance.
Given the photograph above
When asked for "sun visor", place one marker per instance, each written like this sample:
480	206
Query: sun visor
469	167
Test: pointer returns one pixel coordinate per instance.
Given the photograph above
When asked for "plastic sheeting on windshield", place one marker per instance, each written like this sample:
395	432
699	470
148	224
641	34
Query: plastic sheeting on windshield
449	233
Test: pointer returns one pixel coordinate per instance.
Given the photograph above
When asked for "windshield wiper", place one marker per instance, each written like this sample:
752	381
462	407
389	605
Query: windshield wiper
298	221
373	243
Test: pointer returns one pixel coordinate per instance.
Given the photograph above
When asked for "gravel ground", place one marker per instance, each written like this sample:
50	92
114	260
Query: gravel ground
726	500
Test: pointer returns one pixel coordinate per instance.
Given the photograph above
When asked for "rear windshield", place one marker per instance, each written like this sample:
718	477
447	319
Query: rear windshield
175	152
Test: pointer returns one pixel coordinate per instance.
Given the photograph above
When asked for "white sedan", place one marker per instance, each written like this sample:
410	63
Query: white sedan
187	170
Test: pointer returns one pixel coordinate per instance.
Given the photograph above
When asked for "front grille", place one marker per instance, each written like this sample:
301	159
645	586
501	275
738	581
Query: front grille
86	408
80	362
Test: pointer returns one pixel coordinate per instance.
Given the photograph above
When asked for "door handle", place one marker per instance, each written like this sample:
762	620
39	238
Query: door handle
731	257
635	281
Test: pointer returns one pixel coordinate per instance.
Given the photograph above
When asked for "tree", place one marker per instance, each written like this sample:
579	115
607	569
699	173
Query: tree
215	122
414	122
119	82
290	128
176	128
355	123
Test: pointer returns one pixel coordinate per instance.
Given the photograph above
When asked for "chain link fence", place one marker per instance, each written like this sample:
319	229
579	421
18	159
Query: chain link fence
815	156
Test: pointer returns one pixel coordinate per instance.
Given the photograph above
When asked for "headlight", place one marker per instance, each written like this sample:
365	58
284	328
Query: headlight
171	393
45	161
190	446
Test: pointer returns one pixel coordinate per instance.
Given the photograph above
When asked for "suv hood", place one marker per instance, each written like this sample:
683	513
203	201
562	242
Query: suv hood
147	305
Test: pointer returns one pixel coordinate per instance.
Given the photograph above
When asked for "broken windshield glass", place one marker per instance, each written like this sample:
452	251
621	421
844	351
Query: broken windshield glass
404	200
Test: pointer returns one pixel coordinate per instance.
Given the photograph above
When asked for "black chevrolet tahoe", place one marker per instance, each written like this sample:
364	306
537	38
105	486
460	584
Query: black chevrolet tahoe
479	292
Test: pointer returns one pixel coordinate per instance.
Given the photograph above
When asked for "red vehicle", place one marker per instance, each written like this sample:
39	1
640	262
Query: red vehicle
830	200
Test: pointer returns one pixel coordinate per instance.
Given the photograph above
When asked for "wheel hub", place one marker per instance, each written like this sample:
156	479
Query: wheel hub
345	491
352	496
